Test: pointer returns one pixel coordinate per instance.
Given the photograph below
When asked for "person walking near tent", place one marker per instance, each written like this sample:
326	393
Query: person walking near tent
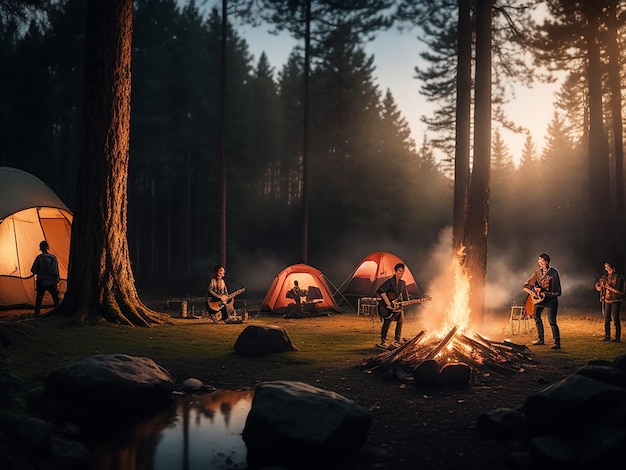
393	289
611	288
46	269
544	288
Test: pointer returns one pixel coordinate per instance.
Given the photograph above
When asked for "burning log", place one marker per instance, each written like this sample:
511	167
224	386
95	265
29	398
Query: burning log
441	344
401	353
478	353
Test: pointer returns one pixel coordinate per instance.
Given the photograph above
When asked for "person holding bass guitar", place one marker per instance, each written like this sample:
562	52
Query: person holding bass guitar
544	289
393	289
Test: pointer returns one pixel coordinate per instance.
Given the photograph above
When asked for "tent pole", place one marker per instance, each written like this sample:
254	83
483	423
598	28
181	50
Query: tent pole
337	290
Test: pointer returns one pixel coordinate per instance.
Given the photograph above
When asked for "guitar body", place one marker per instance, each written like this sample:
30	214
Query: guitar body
384	312
217	305
534	297
529	306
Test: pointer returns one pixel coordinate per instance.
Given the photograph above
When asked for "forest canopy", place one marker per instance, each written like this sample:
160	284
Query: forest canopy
371	187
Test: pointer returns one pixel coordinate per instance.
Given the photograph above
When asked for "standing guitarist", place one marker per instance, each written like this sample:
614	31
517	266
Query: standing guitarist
544	286
218	292
392	289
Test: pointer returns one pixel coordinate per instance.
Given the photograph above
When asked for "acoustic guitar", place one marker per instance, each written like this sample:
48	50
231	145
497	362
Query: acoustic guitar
386	313
534	297
217	305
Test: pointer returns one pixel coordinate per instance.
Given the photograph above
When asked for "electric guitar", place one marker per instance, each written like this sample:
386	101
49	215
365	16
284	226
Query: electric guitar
396	305
217	305
534	297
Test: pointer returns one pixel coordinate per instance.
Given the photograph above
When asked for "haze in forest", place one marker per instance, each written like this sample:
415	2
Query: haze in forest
396	54
369	189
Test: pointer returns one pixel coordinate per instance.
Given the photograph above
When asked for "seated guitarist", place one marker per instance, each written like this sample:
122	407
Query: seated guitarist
392	289
216	292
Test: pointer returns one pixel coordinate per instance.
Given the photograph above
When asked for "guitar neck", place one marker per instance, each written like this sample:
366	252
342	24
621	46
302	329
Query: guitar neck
236	293
412	301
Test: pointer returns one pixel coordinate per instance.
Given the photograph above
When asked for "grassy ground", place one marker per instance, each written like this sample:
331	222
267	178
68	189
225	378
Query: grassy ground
330	352
39	345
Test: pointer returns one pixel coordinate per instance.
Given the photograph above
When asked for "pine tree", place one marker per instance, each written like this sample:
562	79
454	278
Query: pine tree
100	278
502	175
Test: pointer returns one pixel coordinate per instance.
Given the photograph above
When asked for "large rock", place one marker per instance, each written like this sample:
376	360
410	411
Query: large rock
27	442
572	401
114	385
576	423
297	425
257	340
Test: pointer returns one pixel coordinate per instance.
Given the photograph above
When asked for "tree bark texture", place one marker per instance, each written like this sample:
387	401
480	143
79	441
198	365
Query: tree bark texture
222	136
463	126
101	281
614	66
599	186
477	227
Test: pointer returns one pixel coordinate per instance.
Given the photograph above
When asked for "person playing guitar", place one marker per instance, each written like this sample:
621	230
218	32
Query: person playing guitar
218	292
544	288
393	289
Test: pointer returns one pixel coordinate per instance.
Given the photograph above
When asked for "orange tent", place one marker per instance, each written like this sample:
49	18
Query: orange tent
372	271
29	213
309	278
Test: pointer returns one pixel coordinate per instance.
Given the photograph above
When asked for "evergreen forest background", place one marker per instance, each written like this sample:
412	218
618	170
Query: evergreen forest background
372	188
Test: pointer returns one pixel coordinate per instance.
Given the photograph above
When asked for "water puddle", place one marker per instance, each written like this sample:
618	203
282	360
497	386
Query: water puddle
197	432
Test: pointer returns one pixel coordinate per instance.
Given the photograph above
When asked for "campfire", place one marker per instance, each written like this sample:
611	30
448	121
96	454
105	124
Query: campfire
453	345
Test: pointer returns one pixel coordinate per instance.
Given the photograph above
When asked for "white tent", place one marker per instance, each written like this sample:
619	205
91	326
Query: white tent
29	213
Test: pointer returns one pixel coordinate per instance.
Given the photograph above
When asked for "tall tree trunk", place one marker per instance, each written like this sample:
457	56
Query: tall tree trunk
222	138
598	154
305	136
618	229
100	281
478	209
463	111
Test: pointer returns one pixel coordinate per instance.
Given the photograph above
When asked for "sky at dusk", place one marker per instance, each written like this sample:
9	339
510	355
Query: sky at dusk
395	56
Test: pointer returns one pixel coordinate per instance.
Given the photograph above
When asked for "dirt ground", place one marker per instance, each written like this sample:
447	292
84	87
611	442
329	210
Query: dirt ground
436	428
430	428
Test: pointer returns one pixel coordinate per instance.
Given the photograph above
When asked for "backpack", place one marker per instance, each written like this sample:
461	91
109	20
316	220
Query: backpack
48	266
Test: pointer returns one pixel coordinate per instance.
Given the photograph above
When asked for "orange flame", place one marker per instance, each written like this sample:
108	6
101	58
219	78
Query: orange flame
457	312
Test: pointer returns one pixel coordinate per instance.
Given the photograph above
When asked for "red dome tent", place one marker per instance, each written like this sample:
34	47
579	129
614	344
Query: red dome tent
371	272
309	278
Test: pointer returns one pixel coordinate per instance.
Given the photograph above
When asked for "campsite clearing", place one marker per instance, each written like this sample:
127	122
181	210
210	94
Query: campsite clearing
430	428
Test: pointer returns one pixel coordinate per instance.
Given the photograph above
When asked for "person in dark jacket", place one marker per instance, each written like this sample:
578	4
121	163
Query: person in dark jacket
544	286
393	289
611	288
46	271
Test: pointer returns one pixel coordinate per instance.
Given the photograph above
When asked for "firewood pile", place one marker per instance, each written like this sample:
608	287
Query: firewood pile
478	353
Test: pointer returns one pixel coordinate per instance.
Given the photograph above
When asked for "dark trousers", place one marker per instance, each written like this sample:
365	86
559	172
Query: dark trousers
551	306
611	312
41	290
399	319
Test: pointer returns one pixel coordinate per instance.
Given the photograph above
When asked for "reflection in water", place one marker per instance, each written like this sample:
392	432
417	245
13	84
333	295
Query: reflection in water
198	432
